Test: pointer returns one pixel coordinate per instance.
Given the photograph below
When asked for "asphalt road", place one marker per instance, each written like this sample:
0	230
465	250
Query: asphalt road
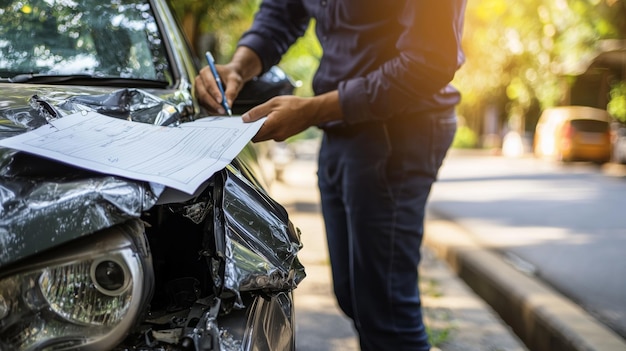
563	224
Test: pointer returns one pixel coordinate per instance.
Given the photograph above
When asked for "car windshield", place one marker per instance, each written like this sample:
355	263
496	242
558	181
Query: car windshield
103	39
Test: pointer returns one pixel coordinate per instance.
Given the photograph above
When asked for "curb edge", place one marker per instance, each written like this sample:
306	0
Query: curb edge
541	317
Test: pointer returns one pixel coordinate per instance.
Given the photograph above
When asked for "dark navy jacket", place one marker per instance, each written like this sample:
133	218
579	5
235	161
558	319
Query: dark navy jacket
385	57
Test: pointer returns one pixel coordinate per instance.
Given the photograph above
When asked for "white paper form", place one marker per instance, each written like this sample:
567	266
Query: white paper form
180	157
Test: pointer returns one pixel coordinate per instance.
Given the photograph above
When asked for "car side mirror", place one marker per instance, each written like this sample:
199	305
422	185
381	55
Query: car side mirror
273	83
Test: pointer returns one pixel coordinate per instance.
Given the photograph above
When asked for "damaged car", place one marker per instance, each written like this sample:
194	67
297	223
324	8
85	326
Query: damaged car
94	261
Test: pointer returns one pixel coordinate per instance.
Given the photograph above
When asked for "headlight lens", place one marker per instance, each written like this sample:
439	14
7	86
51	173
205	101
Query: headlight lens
75	293
88	300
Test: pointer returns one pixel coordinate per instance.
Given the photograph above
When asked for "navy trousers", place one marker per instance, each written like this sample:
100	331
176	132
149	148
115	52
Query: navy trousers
374	180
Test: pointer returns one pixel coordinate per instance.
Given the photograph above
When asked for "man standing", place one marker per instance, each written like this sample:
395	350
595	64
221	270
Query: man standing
386	107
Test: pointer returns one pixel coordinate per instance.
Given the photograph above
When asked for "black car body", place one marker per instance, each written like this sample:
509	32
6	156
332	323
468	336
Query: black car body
91	261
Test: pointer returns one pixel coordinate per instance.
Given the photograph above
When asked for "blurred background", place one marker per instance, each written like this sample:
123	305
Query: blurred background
522	58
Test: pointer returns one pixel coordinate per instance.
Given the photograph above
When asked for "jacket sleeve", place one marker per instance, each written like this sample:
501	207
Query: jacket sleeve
428	55
276	26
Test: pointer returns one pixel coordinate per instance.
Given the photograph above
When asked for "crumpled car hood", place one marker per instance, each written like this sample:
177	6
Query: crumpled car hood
44	203
26	106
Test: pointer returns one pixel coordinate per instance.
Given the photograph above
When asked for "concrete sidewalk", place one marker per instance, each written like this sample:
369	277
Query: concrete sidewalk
458	320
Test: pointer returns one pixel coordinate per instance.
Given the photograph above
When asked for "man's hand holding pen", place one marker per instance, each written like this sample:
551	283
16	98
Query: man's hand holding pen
286	115
243	66
217	86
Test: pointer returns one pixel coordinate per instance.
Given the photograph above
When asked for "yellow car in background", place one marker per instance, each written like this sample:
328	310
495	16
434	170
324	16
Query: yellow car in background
574	133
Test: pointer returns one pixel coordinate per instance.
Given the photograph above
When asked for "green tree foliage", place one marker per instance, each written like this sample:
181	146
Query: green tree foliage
617	103
214	24
465	138
522	55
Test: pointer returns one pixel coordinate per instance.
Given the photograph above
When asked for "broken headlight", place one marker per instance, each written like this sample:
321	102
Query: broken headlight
85	297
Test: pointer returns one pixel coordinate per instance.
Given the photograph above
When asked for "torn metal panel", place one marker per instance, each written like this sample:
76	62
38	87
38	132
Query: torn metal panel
44	203
131	104
38	215
30	107
261	244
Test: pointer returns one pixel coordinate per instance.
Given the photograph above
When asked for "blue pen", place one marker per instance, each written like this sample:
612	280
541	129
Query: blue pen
211	62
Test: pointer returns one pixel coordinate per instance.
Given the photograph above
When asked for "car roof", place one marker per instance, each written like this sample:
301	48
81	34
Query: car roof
574	112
